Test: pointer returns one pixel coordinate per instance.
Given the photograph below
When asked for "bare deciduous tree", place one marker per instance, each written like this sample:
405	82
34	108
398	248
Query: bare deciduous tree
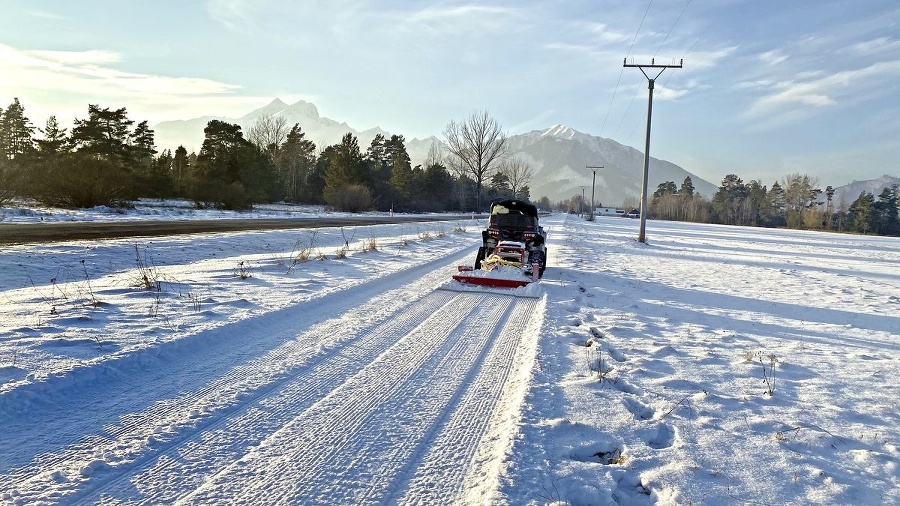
477	144
518	172
435	155
269	133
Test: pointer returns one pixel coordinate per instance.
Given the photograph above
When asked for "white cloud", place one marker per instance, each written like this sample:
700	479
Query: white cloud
77	58
773	57
793	98
63	83
464	18
43	14
236	15
603	32
876	46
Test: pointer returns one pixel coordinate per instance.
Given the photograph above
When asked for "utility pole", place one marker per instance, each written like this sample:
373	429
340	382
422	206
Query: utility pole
650	82
581	207
593	185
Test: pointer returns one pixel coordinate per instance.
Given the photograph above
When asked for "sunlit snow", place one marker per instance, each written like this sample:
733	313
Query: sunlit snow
713	365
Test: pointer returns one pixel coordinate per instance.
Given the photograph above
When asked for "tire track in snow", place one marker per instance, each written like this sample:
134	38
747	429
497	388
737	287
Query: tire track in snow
464	455
88	462
320	456
219	444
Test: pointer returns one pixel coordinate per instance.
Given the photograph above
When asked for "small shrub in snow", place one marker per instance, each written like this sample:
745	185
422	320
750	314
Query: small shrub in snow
303	249
595	360
148	274
768	372
370	244
243	270
194	300
90	291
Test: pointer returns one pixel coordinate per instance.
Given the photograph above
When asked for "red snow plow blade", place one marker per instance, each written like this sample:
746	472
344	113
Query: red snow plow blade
504	280
491	282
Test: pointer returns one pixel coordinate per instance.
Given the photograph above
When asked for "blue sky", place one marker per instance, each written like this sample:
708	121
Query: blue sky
768	88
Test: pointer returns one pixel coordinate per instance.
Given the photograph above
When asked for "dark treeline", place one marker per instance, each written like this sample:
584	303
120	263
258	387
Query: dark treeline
107	159
795	202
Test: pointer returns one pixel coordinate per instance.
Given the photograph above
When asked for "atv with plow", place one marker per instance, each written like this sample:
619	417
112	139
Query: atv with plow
513	253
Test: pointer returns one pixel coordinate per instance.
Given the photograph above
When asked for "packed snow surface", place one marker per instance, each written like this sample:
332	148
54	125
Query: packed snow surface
713	365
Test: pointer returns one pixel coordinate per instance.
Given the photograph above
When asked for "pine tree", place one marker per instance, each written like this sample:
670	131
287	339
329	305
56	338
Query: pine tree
729	199
861	212
105	134
403	180
142	145
885	220
16	132
345	165
775	202
180	170
216	180
54	142
687	189
437	189
295	161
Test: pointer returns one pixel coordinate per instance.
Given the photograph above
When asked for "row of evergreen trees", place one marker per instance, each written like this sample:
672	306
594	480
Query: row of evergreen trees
107	159
794	203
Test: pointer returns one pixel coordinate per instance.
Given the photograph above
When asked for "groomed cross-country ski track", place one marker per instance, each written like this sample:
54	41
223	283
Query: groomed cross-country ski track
411	397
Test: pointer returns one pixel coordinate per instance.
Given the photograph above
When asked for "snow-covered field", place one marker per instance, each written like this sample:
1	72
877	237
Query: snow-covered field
150	209
714	365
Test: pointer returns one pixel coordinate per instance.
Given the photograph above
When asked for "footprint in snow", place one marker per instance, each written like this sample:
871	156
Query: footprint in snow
664	437
616	355
663	351
640	410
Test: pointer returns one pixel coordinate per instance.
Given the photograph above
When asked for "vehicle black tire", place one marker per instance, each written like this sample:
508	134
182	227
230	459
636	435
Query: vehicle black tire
479	257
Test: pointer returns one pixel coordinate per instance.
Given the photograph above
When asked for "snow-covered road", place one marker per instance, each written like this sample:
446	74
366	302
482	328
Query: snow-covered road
407	398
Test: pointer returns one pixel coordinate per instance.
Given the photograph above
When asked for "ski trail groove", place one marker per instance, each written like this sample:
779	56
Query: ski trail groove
453	449
86	463
309	456
403	399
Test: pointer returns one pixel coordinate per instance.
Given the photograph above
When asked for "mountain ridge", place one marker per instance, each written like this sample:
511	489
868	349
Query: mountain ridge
557	155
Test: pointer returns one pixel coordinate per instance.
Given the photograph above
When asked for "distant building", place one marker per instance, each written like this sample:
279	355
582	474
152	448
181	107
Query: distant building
612	211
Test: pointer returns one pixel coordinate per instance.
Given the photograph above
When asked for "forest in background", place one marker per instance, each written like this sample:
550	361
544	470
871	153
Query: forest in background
108	159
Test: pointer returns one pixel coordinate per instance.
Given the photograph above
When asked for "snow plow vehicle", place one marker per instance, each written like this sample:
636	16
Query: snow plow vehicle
513	251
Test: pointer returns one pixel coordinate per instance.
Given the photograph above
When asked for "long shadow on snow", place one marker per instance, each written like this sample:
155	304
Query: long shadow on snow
727	302
680	252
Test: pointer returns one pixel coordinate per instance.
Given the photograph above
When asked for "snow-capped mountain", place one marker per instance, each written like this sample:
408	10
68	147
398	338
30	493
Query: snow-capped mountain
557	155
323	131
845	195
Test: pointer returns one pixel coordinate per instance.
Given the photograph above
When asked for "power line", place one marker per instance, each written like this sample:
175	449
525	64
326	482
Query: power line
639	29
616	89
638	89
670	29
